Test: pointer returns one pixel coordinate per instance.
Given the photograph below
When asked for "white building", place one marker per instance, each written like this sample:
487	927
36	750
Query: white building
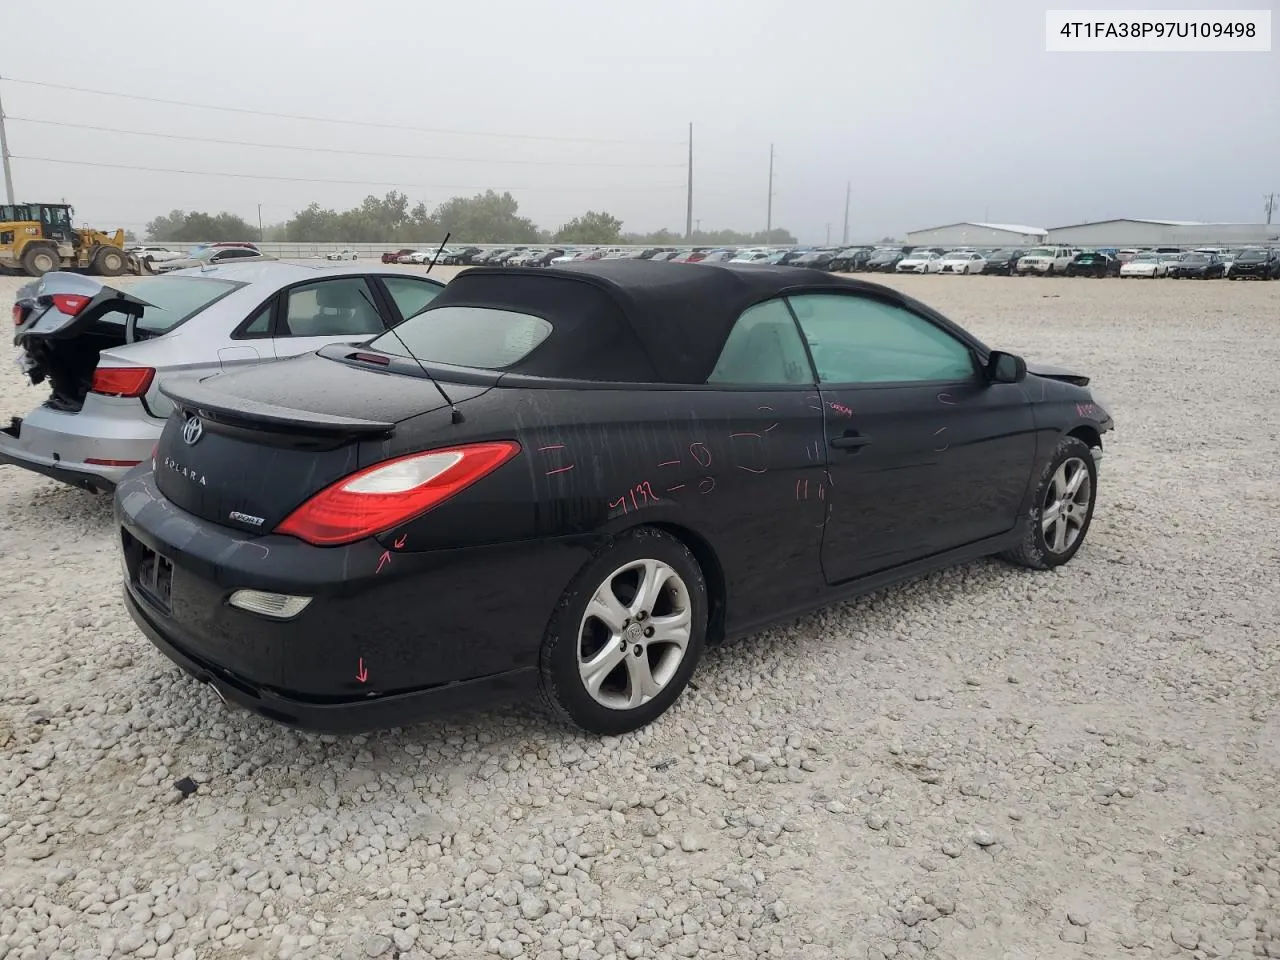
1159	233
977	235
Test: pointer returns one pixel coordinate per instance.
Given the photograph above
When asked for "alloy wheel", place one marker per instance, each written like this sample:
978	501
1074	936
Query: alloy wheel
634	634
1066	505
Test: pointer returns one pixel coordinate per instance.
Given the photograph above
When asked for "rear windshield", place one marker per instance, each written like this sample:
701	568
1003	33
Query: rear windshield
466	337
173	300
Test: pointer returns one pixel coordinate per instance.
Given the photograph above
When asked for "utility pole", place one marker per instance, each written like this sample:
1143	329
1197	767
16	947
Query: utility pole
261	235
828	243
848	187
1269	207
688	210
768	223
4	158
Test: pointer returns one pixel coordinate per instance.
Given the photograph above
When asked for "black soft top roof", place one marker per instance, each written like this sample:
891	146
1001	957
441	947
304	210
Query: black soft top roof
635	320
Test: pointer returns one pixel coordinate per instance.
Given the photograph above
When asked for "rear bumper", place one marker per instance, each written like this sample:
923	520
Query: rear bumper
74	476
60	444
370	713
389	637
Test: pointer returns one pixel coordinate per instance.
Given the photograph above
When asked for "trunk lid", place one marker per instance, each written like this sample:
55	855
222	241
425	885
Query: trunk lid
58	336
245	449
60	306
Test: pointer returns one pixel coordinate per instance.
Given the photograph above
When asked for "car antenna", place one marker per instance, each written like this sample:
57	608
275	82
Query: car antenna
455	413
440	250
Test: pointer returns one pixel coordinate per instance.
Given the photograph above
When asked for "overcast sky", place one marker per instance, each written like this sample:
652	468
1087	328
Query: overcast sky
935	110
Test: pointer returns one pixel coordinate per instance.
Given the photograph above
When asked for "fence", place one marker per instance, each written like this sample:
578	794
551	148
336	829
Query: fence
374	251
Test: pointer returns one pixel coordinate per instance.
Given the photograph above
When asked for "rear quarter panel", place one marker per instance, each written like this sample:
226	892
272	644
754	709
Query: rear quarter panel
741	471
192	348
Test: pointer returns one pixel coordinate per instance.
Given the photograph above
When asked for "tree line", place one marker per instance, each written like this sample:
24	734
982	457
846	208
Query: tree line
488	217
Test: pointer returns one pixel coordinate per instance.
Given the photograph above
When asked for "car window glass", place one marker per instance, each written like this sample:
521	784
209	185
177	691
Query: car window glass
260	325
171	301
763	347
465	336
861	340
410	294
332	308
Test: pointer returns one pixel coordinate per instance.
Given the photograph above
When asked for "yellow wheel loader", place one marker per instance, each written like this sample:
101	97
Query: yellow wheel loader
36	238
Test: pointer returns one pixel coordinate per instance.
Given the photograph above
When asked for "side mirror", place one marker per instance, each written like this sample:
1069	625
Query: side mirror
1005	367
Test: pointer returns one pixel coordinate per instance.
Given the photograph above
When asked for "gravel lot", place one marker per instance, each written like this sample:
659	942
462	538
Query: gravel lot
986	763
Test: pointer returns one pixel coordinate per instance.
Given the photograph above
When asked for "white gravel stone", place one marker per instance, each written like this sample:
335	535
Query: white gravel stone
801	803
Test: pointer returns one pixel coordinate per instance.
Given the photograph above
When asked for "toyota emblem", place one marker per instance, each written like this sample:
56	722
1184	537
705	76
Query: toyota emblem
192	430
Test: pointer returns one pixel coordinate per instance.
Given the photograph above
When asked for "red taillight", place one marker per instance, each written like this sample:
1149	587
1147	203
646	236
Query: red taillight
70	303
387	494
122	381
18	313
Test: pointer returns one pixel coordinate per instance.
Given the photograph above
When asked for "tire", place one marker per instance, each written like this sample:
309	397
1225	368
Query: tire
1071	459
37	261
576	631
109	262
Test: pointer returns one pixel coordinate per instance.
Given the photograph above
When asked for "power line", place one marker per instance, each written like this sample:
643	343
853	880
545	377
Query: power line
313	119
361	183
353	153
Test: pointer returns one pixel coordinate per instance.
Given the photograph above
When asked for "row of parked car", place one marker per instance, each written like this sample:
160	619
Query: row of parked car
1253	263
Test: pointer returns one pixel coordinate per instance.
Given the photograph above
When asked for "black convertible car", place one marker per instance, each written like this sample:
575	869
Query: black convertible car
574	478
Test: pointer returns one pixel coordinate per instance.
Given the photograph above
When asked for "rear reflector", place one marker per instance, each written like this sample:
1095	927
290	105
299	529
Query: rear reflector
111	463
70	303
122	381
383	496
279	606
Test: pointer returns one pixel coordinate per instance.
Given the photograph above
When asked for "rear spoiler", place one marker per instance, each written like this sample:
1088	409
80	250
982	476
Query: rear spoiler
194	396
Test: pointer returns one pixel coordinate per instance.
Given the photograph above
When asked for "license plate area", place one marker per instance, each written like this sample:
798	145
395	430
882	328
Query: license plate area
151	573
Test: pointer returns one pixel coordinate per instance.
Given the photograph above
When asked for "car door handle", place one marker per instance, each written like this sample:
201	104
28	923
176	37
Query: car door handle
850	442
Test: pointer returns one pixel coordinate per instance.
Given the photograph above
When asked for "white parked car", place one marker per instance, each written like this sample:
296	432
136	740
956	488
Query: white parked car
424	256
566	257
1148	265
347	254
1046	260
156	254
751	256
105	352
962	261
922	261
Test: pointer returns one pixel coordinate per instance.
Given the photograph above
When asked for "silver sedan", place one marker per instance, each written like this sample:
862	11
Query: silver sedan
104	351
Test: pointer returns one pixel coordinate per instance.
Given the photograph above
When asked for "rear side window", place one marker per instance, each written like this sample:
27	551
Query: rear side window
763	347
172	300
467	337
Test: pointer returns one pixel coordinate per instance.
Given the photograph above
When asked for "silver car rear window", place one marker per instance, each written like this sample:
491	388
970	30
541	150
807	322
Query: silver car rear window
172	300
